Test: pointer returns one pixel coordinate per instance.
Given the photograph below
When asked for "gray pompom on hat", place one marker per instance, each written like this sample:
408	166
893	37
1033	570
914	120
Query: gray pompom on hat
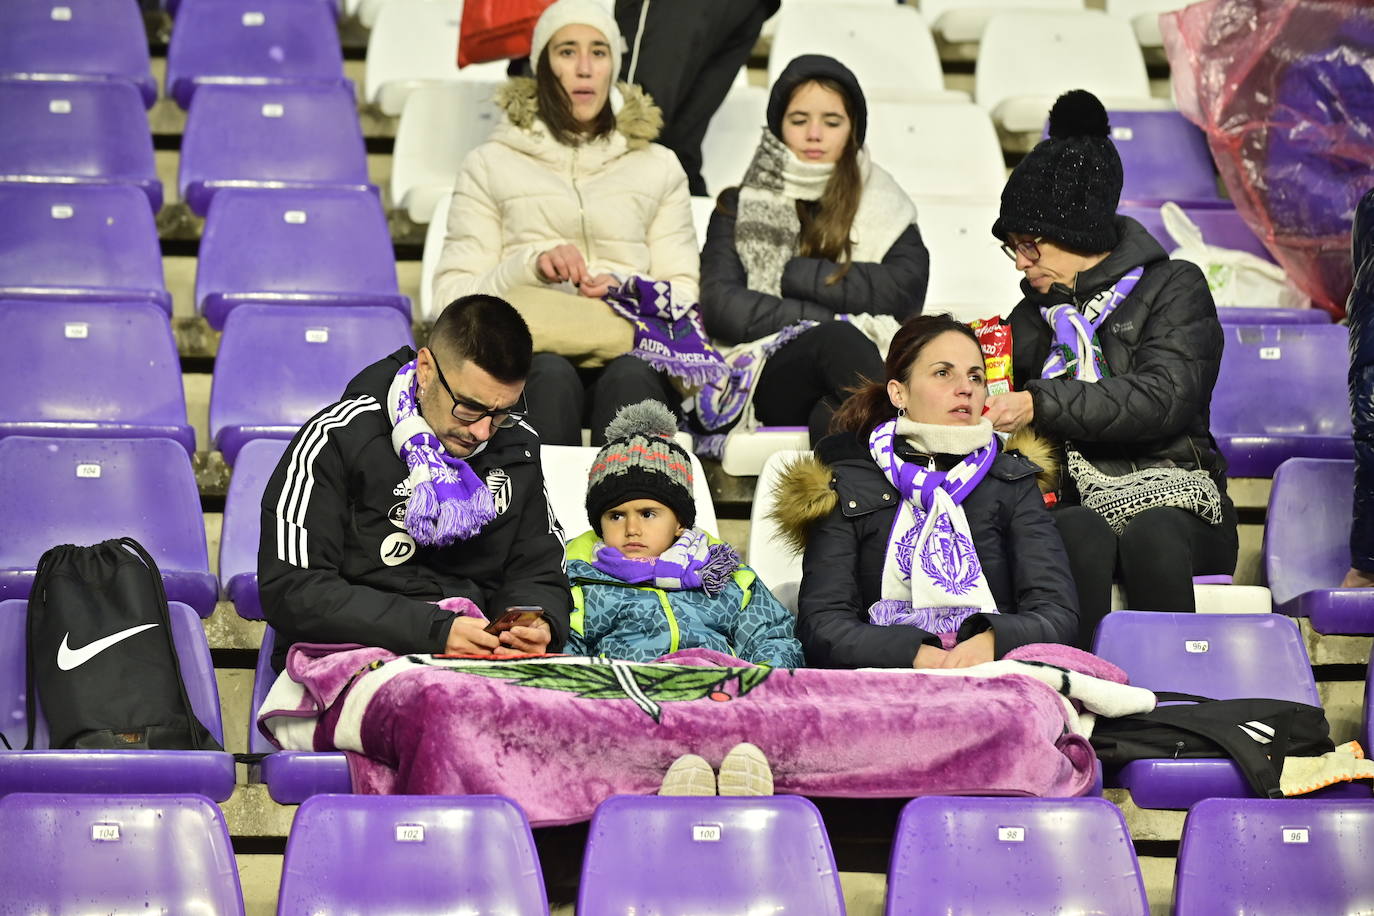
640	460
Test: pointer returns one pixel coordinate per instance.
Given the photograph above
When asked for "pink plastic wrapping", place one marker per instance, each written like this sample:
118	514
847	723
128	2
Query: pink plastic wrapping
1284	90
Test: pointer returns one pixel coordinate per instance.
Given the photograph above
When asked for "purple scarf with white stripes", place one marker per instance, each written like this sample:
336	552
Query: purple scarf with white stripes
691	562
1075	350
932	578
448	501
668	336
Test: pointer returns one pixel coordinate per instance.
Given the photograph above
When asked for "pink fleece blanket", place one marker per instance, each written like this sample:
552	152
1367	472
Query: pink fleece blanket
560	734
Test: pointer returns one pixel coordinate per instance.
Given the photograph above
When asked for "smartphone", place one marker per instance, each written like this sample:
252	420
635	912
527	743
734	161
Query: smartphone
519	616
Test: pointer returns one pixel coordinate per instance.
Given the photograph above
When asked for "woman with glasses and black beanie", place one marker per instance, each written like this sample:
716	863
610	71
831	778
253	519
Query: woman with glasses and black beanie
1115	350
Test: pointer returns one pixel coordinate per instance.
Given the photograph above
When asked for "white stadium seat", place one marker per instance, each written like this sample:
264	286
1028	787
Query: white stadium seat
1027	59
962	21
440	125
732	137
415	43
1143	15
937	148
969	276
777	567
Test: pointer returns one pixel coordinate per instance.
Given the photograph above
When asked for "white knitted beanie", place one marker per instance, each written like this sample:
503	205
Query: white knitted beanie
595	13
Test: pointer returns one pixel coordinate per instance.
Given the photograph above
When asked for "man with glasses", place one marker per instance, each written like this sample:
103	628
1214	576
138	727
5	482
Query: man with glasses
422	483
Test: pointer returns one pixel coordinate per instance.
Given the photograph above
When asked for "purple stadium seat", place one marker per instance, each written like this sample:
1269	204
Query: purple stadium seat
1307	546
1236	314
1003	855
324	246
80	242
279	364
208	773
1281	393
283	136
84	491
107	370
1164	156
253	42
62	39
148	853
1220	226
84	132
438	854
291	776
238	544
172	6
1221	656
708	856
1241	857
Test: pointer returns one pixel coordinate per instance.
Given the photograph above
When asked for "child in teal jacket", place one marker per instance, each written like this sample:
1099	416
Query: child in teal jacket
645	581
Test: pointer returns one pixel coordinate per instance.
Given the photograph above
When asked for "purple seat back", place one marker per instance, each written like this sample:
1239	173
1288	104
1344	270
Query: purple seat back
107	370
708	856
1164	156
280	364
1236	314
1290	855
80	242
1003	855
1220	226
1307	537
193	653
84	38
84	491
340	845
263	678
238	545
270	136
1222	656
1281	393
117	853
77	132
171	6
324	246
266	41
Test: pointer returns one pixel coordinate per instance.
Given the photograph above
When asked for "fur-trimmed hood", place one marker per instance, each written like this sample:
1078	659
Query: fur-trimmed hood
805	491
638	120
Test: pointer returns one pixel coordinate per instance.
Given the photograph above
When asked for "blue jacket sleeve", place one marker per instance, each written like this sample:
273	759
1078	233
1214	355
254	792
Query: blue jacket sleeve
764	634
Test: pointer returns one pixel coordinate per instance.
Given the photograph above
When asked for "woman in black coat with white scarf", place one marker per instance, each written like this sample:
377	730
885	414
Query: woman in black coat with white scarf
926	542
816	230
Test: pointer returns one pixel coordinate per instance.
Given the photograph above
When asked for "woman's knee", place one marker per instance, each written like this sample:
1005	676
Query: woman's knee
553	369
1162	528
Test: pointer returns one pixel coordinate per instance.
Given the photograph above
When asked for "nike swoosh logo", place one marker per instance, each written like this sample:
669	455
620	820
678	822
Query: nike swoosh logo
69	658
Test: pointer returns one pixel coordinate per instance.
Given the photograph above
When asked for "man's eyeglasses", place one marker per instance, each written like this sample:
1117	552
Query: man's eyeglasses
1029	250
470	412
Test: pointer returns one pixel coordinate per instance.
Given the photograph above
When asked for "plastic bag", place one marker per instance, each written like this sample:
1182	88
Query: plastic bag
1234	277
497	29
1284	91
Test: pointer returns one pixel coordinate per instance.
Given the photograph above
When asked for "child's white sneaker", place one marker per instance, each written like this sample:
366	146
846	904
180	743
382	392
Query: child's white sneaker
689	775
745	771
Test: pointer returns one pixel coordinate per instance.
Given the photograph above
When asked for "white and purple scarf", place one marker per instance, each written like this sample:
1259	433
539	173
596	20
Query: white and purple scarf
668	335
932	578
448	501
1075	351
691	562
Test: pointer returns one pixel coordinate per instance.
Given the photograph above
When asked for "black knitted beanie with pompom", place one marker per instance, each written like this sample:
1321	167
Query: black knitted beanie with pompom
1067	188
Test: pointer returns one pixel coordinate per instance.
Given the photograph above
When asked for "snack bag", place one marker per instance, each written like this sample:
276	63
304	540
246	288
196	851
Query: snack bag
994	336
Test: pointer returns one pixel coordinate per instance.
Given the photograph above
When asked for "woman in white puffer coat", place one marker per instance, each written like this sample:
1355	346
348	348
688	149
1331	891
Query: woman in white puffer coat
568	197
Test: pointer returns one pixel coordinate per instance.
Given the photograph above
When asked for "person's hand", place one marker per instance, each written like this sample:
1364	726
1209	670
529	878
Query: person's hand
530	640
468	636
562	262
595	287
1011	411
1357	578
973	651
929	657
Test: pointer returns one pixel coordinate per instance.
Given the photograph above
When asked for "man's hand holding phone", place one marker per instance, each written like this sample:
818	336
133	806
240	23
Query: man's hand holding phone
469	636
522	631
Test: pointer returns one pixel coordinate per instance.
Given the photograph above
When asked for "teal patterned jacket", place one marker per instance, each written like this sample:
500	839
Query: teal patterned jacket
640	623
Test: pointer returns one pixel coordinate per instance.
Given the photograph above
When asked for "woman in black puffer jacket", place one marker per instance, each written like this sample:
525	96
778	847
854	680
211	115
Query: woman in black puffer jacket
1115	352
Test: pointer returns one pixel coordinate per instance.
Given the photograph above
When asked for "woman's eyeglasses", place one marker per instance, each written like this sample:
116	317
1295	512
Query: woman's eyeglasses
470	412
1030	250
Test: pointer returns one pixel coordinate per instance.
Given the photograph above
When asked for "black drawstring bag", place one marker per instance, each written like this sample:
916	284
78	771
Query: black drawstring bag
101	655
1256	733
